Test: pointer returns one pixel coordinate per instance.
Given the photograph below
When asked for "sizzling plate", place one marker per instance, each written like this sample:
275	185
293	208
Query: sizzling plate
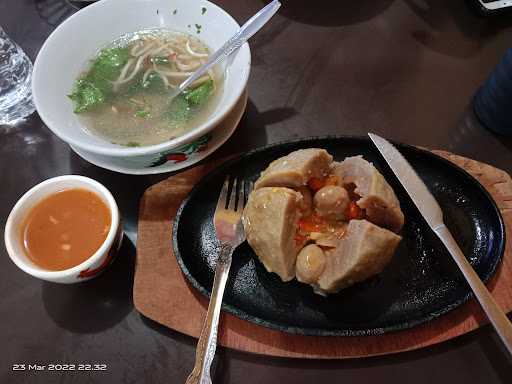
421	282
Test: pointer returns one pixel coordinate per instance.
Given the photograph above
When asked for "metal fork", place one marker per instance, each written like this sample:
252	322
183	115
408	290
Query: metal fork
230	233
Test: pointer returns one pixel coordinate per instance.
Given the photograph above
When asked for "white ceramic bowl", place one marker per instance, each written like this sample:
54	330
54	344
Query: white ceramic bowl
91	267
67	51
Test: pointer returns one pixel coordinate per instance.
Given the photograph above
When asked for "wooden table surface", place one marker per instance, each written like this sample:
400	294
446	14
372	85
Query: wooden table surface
405	69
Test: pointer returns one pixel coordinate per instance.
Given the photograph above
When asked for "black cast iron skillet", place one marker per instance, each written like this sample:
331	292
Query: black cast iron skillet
421	282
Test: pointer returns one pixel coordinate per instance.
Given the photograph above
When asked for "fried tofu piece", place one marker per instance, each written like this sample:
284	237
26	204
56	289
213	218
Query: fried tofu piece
295	169
377	197
362	252
270	222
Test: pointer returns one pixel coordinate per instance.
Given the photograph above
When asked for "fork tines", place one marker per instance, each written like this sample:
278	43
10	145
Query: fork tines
234	196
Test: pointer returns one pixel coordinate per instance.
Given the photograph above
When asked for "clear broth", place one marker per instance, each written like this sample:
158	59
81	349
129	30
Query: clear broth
117	121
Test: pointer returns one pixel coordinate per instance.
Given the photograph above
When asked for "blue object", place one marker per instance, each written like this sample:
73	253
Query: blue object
493	101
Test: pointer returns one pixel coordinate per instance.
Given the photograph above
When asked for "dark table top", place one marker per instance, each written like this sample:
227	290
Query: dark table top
404	69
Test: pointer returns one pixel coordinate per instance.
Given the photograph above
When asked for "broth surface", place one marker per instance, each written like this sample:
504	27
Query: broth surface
123	96
65	229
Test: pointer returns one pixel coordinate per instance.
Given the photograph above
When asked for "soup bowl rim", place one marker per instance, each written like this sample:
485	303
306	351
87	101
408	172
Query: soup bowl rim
196	132
26	203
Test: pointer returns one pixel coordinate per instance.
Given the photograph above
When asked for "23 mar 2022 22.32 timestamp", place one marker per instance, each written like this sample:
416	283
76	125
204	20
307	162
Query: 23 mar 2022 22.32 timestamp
59	367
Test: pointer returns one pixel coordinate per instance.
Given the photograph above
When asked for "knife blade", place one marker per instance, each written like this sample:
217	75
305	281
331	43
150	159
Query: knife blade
415	187
431	211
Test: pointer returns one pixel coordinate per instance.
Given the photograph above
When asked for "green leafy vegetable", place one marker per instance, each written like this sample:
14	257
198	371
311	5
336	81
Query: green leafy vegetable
95	87
200	94
109	63
203	10
175	12
179	110
132	144
135	87
86	94
154	83
183	106
142	113
159	60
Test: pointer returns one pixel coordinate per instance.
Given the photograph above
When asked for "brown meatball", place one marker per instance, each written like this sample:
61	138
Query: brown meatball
310	264
331	202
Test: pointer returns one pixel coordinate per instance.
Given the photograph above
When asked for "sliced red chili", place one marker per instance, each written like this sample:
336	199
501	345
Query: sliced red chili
354	211
300	239
316	183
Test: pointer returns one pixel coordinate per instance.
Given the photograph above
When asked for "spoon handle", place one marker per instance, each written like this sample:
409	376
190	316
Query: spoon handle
253	25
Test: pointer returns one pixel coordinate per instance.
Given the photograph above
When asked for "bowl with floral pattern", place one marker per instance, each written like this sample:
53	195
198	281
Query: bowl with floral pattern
68	50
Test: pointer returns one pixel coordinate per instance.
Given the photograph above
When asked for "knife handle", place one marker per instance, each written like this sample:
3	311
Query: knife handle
495	314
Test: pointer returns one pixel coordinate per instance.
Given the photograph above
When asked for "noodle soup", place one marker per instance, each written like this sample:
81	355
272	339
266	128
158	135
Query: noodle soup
123	96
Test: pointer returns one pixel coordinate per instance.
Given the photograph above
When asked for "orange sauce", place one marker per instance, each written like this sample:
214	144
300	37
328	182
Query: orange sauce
65	229
312	223
315	183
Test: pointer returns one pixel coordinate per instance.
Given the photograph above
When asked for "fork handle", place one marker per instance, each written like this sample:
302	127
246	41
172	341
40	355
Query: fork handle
207	343
495	314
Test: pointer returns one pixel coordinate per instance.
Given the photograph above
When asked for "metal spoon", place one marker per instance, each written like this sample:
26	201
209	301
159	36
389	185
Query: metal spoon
253	25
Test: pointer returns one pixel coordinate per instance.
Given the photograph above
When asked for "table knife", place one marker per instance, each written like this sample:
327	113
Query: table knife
432	213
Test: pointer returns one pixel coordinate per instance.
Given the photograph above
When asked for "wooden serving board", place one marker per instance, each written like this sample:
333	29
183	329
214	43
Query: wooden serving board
162	293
